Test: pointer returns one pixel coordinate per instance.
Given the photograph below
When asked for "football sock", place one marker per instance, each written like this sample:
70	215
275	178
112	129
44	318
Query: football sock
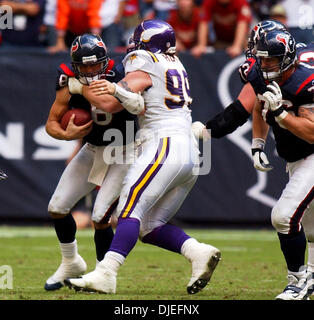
102	239
168	237
69	250
65	228
112	261
126	236
293	247
310	260
190	248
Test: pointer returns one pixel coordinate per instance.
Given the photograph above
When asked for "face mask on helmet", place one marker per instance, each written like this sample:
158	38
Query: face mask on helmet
87	73
270	68
132	45
89	58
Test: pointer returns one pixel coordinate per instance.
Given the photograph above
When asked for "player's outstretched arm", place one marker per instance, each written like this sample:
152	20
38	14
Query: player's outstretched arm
127	91
106	102
233	116
58	109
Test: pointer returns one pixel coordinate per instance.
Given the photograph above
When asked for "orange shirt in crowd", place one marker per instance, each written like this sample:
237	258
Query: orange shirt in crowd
78	16
225	17
186	30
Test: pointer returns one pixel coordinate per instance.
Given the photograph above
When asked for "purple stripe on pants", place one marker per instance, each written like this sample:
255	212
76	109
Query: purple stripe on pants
148	180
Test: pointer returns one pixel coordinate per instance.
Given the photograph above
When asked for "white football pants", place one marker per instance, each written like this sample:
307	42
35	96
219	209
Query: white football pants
73	185
159	180
296	203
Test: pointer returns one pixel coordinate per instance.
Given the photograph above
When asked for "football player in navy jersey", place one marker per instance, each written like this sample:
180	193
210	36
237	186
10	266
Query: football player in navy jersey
87	170
238	112
285	102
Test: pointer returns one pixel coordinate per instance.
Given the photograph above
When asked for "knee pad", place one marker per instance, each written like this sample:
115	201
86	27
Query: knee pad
104	213
57	209
280	219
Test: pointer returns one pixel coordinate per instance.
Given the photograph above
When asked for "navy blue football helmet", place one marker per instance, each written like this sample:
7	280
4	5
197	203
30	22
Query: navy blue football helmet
261	28
88	49
156	36
276	44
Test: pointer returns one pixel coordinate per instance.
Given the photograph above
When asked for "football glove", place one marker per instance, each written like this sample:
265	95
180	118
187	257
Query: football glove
273	99
273	96
259	157
199	132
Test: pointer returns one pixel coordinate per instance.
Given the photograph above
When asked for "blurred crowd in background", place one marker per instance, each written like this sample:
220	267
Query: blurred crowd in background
201	26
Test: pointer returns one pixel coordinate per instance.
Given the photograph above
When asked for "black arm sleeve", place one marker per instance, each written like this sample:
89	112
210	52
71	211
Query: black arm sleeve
227	121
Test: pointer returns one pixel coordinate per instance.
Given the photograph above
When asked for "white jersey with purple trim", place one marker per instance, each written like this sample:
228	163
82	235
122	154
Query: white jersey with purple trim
164	170
167	100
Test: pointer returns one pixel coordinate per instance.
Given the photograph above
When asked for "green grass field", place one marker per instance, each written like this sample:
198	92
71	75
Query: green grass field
252	267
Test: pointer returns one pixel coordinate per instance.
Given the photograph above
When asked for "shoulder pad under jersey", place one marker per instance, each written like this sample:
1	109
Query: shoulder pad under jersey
305	54
246	70
139	60
115	70
64	71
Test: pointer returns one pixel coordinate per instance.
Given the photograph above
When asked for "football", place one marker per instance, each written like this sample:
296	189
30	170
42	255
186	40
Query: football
81	117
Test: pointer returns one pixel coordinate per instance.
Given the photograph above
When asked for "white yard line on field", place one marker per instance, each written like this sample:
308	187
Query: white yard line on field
202	235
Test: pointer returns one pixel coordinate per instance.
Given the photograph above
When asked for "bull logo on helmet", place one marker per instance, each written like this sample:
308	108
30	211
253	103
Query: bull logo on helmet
287	41
281	39
74	47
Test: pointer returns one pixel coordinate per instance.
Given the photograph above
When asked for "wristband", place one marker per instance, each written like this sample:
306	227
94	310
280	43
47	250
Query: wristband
133	102
279	113
258	143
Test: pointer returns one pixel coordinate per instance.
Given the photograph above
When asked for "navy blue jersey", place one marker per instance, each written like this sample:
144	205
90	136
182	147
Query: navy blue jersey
305	53
296	91
102	120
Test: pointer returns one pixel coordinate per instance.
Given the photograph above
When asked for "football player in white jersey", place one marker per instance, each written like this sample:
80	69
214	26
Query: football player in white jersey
166	168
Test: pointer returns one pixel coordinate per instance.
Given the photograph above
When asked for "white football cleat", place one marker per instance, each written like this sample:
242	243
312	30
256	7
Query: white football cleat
68	268
100	280
301	290
204	263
